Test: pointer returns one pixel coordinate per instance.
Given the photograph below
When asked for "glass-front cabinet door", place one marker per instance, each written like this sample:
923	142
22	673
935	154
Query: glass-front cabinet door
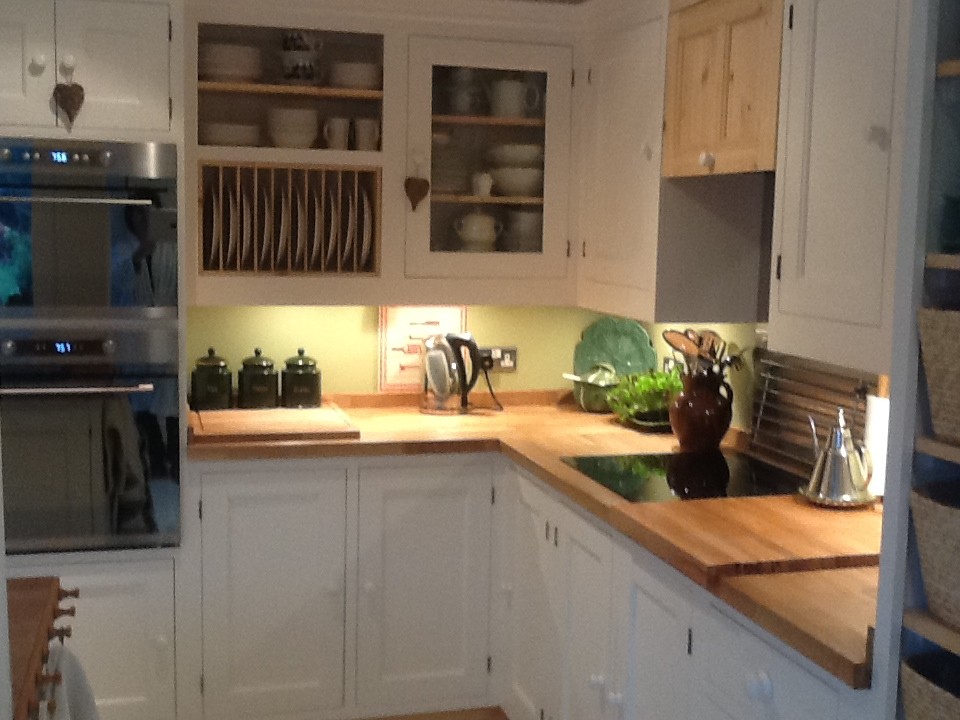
489	129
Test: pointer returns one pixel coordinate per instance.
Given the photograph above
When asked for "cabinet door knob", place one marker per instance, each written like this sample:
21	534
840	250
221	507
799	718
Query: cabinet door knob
39	61
68	63
63	594
707	160
758	686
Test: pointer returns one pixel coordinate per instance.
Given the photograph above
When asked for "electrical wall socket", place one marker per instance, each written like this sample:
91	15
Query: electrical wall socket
499	358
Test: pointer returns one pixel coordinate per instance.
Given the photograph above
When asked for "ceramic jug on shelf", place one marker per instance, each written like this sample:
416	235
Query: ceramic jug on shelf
478	231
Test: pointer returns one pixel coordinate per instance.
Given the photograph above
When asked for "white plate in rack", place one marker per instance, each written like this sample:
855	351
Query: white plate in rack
266	239
246	242
284	231
234	230
367	229
334	231
351	230
213	262
300	256
317	230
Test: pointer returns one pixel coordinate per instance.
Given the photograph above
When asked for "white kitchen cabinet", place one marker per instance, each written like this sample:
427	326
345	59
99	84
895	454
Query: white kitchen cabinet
835	223
652	647
123	631
560	610
274	553
472	105
117	50
424	584
738	676
651	248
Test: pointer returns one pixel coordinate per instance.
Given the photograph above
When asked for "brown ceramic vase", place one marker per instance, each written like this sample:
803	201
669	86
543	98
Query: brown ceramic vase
700	415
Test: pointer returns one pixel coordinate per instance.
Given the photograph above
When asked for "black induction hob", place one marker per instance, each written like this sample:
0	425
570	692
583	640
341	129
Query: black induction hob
686	476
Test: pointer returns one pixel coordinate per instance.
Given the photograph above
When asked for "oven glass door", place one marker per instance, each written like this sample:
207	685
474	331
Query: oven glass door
108	244
90	464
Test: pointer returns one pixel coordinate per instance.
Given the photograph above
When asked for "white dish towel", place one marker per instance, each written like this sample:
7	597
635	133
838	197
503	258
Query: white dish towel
73	696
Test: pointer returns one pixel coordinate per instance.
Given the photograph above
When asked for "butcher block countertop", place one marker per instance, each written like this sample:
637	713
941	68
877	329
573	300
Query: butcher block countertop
772	558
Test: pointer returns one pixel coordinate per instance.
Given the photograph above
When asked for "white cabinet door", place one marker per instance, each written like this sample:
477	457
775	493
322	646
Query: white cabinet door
833	228
274	545
653	661
28	62
737	676
123	633
621	200
586	556
448	143
534	676
119	52
424	581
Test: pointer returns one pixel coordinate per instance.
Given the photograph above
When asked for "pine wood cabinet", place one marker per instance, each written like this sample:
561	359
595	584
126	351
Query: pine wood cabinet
118	50
723	78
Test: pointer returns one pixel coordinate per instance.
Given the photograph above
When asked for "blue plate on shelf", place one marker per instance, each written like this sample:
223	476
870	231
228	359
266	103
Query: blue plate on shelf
622	343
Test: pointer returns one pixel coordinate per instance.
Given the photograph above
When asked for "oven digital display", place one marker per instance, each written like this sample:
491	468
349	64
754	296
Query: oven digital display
59	156
63	348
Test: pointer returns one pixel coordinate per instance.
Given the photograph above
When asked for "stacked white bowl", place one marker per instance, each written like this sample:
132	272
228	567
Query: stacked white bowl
356	75
293	127
518	168
218	133
229	62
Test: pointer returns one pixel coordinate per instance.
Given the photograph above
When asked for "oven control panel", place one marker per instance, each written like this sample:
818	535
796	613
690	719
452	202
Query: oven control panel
57	347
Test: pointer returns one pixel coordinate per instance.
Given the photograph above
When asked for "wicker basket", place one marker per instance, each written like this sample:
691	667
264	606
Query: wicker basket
940	345
930	686
936	517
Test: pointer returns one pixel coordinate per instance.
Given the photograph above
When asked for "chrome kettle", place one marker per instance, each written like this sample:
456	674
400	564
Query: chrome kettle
445	380
842	470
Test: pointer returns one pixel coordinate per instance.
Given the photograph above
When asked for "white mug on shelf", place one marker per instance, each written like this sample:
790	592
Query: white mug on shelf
366	133
336	131
513	98
482	183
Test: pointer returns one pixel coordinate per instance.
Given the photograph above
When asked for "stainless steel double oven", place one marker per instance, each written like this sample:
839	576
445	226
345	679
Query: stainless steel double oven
89	396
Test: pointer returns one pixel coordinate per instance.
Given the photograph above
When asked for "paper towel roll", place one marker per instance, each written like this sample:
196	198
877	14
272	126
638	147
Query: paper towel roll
875	429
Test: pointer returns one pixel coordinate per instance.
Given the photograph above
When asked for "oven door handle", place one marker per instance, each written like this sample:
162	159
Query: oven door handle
64	200
78	390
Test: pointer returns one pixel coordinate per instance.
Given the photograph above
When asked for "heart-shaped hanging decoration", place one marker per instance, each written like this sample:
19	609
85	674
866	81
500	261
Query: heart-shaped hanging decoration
417	189
69	98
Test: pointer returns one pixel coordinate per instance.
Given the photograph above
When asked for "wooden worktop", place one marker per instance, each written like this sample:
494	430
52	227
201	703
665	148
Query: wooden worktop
730	546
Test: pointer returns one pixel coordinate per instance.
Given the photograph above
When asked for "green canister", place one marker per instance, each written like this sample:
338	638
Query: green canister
301	382
211	383
257	382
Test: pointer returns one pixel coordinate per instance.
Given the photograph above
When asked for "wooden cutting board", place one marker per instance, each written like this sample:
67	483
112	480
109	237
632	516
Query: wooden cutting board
710	539
276	424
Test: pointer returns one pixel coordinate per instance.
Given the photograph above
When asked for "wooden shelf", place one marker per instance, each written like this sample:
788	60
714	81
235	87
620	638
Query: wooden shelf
949	68
938	448
488	120
486	199
943	261
925	624
312	91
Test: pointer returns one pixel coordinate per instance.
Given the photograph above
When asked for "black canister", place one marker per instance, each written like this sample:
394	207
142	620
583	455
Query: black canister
257	382
211	383
301	382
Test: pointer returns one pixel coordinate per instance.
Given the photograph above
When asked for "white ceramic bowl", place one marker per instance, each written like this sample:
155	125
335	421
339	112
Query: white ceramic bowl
516	155
357	75
213	133
293	138
517	181
220	61
293	119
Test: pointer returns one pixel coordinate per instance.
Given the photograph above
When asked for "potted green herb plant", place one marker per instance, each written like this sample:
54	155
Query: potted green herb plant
643	399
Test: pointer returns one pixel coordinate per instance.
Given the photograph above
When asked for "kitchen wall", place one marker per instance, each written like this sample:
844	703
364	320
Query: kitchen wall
344	341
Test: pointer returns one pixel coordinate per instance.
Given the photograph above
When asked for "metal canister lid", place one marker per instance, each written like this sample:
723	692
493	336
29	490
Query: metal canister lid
301	363
212	361
258	361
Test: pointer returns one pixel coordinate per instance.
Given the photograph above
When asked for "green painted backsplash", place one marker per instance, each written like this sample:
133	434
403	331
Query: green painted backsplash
344	341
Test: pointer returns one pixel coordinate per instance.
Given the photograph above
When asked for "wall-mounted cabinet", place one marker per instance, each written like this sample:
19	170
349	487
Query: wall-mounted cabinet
118	51
489	130
835	225
723	80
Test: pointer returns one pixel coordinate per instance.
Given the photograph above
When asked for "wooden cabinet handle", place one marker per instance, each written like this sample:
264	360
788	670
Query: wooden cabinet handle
71	611
52	679
72	593
60	633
